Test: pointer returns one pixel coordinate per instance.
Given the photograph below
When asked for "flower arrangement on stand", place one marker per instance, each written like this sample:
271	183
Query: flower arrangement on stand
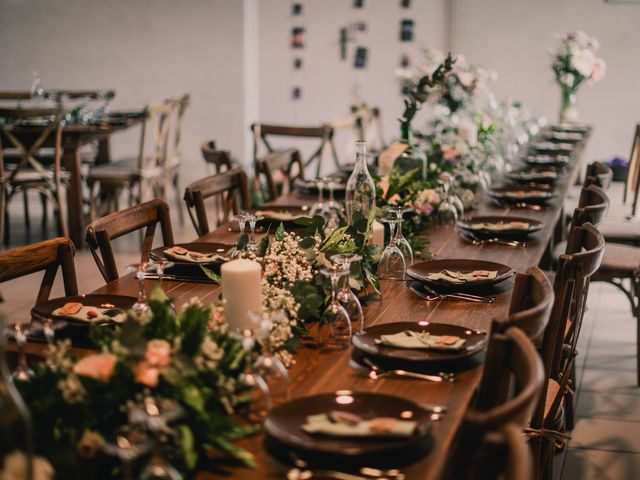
575	63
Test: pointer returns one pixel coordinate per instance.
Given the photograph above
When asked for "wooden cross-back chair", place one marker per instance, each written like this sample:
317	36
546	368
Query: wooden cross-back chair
47	256
146	169
225	187
174	157
262	132
512	360
279	170
632	183
216	160
101	232
585	249
28	173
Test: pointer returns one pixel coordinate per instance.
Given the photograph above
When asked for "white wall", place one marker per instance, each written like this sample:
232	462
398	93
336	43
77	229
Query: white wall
146	50
327	82
514	36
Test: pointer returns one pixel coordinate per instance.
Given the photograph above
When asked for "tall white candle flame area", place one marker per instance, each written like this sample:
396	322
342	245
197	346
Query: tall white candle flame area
241	291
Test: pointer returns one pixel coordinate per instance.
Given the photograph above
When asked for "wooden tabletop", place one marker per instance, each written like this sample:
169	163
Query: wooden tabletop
320	373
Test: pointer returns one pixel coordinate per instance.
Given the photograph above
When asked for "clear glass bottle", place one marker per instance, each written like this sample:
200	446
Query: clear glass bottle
15	423
361	190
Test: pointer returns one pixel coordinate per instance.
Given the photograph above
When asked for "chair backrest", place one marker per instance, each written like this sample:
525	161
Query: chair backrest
598	174
214	157
593	206
286	164
225	186
324	133
514	360
179	107
585	248
155	130
27	151
632	183
48	255
531	301
116	224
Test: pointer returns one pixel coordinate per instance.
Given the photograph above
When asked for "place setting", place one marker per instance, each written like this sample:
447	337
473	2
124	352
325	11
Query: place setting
506	230
533	176
522	196
184	261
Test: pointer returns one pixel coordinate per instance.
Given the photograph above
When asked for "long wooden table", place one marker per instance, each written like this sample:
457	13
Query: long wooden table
321	373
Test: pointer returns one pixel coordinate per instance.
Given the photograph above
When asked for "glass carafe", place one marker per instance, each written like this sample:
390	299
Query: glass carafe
361	190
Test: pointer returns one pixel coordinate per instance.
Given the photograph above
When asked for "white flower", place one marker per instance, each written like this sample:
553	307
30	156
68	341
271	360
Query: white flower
583	61
567	79
599	70
15	467
72	390
466	79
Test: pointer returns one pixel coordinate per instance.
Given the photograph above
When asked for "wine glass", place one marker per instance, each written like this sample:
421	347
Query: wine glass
141	306
48	327
254	383
241	218
252	246
346	296
128	443
447	210
334	331
401	242
268	365
318	207
392	263
19	333
333	209
161	266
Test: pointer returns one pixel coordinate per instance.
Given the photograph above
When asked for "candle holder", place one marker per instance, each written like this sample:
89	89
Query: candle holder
334	331
346	296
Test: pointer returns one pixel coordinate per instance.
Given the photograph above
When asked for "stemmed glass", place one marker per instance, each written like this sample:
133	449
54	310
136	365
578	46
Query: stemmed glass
401	242
318	207
128	443
247	217
268	365
346	296
22	372
161	267
255	384
332	208
392	266
141	306
334	331
447	211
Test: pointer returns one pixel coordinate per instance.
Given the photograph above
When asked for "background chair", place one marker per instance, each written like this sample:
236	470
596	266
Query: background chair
216	160
28	173
174	158
46	256
101	232
279	170
263	131
225	188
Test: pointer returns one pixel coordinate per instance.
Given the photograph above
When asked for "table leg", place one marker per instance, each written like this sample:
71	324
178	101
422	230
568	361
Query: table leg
104	151
71	161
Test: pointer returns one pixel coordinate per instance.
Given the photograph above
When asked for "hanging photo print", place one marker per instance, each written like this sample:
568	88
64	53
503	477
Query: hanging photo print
405	3
297	63
358	3
406	31
296	93
297	37
296	9
361	57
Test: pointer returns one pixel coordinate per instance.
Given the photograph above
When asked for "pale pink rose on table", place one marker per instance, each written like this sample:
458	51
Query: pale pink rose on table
99	366
158	353
147	374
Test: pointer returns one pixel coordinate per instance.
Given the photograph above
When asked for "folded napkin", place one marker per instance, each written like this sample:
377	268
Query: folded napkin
500	226
523	194
421	340
534	175
461	277
333	425
85	313
184	255
279	215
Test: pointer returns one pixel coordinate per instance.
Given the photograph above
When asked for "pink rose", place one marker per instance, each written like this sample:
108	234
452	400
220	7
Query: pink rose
99	366
147	374
158	353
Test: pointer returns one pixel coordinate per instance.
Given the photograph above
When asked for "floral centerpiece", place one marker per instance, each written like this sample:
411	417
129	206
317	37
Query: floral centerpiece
575	63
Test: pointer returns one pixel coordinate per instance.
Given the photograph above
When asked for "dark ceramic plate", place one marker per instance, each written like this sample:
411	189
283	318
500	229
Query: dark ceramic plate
276	215
532	175
563	137
570	127
284	423
46	309
200	247
542	161
366	342
466	224
522	194
419	271
554	148
310	187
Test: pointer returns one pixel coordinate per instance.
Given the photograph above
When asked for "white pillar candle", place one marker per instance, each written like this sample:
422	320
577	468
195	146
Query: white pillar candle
241	291
377	234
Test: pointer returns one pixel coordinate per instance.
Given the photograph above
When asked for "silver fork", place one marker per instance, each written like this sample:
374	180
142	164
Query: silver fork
475	240
439	377
433	295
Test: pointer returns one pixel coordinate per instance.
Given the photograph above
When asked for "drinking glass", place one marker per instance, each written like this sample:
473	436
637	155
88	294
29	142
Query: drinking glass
254	383
401	242
392	263
48	326
19	333
346	296
241	218
333	209
128	443
447	210
318	207
268	365
161	267
334	331
141	306
252	246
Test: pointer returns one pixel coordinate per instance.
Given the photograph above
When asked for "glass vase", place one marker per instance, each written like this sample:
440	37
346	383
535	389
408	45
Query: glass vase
568	110
361	190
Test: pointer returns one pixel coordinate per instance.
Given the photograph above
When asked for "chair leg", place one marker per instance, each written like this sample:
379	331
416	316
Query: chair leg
45	211
569	400
176	190
635	288
25	203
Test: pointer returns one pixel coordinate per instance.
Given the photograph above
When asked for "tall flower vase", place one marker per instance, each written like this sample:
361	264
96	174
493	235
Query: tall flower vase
568	110
412	157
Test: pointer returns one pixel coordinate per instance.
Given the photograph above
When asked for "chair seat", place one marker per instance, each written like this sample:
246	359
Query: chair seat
620	259
34	178
621	231
123	170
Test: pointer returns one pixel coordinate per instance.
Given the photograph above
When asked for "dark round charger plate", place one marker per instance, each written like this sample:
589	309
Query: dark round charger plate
546	161
527	196
555	148
200	247
570	127
309	187
532	175
563	136
365	342
46	309
271	220
419	271
466	225
284	424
